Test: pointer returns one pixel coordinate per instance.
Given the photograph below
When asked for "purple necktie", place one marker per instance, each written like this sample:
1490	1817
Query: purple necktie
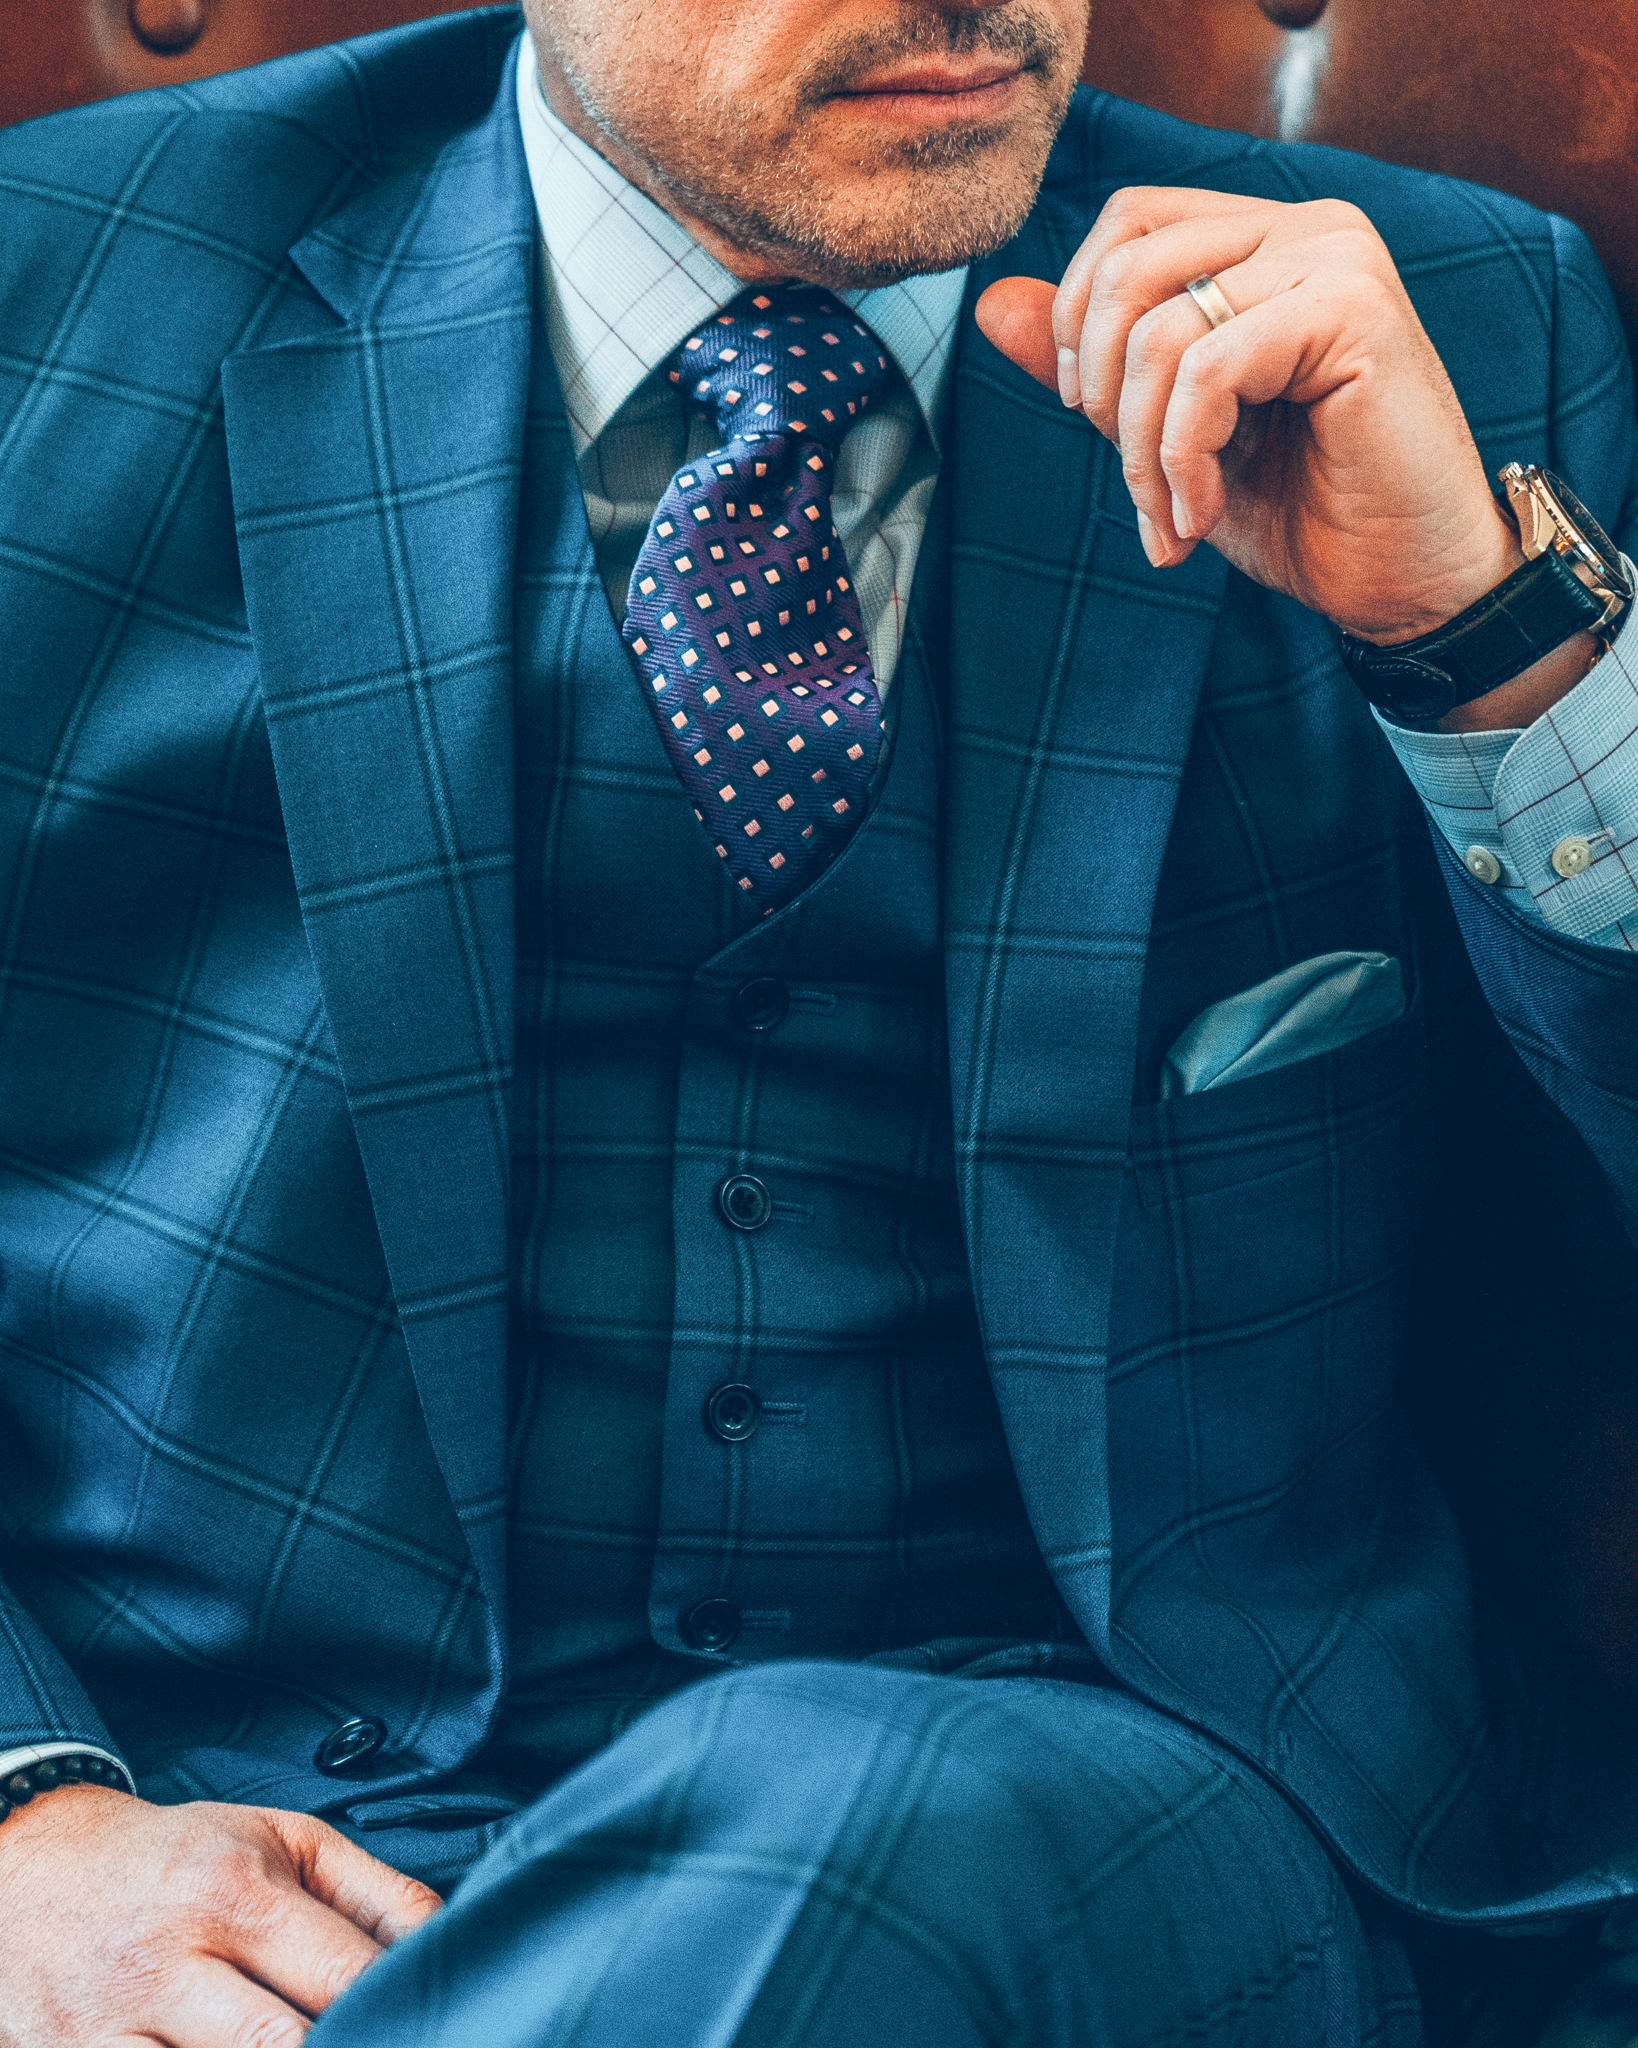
742	615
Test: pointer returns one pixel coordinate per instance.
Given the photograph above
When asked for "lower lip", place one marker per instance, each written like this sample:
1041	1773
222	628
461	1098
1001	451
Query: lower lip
933	109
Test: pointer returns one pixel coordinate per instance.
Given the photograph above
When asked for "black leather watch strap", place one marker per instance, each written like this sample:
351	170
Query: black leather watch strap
1511	627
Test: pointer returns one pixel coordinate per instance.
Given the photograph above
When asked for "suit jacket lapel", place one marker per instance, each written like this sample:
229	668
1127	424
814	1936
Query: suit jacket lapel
374	460
1075	669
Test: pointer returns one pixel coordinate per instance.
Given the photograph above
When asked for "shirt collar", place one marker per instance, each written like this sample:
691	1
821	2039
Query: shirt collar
629	284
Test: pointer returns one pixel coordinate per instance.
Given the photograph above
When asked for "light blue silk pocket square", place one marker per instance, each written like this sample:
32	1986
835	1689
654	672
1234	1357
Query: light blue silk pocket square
1311	1008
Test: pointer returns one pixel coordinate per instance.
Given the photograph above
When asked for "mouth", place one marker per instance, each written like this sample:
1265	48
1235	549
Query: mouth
935	94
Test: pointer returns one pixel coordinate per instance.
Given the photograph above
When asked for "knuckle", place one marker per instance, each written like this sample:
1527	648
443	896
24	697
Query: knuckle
268	2030
1149	346
334	1975
1338	216
1119	275
1375	299
1175	455
224	1883
1124	207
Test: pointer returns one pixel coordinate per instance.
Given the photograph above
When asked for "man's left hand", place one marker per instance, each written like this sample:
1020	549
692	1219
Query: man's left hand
1314	439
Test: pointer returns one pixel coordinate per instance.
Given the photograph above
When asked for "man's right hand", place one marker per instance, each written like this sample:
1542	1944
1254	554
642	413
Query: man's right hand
125	1925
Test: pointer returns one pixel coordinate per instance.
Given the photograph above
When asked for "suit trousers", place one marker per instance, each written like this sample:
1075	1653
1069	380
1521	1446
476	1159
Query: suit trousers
804	1854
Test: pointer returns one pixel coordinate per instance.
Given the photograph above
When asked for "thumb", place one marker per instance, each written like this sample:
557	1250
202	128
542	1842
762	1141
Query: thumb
1016	314
385	1903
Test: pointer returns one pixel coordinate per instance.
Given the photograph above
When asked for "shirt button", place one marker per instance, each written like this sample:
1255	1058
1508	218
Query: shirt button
710	1625
744	1201
761	1005
354	1742
1482	865
1572	856
733	1413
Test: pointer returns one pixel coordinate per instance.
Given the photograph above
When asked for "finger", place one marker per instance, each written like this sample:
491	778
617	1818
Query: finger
300	1948
382	1901
1133	283
1016	314
1309	315
1287	243
1157	346
1156	350
1135	215
213	2006
1332	346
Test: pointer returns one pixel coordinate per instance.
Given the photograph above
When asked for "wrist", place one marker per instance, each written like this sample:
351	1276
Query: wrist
1490	554
34	1774
1523	700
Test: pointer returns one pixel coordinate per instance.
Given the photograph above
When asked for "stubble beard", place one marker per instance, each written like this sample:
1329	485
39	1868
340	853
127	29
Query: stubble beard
919	204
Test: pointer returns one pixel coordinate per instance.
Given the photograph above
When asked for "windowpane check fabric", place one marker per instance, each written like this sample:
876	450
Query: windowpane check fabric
1520	792
743	618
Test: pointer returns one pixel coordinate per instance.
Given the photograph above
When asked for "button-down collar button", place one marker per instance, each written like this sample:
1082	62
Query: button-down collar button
1572	856
733	1413
1482	865
354	1742
710	1625
761	1005
744	1201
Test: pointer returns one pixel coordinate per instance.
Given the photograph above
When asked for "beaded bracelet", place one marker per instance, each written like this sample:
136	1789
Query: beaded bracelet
53	1771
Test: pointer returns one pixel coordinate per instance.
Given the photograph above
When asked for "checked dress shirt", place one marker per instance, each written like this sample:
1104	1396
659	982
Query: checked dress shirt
626	285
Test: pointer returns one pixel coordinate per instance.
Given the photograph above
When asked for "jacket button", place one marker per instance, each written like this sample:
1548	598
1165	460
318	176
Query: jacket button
733	1413
761	1005
354	1742
744	1201
709	1625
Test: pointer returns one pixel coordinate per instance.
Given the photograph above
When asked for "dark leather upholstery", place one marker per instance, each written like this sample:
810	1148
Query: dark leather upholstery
60	53
1539	101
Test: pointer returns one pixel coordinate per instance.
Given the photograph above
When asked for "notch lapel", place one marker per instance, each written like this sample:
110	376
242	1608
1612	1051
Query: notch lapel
1075	671
374	454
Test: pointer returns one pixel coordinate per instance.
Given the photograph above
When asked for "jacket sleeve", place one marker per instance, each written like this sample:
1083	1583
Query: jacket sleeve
42	1703
1569	1005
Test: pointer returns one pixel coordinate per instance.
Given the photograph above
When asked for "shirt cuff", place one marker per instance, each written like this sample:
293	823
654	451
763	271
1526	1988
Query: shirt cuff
1547	816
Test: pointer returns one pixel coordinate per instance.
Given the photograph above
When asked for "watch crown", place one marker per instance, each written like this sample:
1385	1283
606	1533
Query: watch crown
1537	531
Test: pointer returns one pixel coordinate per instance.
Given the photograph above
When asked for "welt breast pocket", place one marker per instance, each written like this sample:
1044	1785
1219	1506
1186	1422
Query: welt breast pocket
1355	1108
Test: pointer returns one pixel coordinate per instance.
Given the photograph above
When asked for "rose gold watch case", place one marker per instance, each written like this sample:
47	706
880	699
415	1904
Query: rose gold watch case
1548	514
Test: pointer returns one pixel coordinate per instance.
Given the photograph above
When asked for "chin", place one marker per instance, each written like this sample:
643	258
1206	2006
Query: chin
898	224
883	251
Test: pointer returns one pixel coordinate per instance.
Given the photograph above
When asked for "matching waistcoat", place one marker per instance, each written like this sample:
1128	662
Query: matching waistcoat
751	1416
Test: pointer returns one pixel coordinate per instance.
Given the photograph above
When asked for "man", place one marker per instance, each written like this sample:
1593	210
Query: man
813	1401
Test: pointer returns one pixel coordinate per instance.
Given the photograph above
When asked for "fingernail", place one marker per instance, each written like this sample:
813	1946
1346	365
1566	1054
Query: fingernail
1069	377
1150	539
1180	517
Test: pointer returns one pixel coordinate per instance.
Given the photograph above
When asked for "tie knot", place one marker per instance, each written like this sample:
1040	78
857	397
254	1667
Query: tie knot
783	359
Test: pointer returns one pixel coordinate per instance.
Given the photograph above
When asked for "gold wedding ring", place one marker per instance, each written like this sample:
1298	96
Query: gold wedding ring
1209	296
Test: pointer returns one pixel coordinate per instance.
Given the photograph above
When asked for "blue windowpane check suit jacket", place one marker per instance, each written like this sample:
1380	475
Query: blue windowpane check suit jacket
263	370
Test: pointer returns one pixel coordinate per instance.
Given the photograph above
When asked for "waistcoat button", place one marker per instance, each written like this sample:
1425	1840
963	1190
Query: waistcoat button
709	1625
352	1743
733	1413
744	1201
761	1005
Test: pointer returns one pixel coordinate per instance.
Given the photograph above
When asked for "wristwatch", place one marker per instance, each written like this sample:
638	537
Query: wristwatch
1573	579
